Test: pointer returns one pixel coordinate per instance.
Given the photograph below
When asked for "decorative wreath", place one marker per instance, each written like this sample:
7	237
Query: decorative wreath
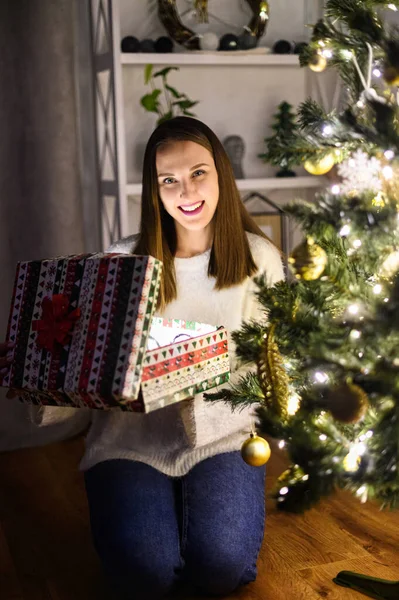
184	36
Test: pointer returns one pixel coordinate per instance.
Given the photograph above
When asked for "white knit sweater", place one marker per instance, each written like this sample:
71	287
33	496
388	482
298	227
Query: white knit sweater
177	437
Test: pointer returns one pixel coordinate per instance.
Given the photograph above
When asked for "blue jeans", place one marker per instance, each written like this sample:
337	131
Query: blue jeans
151	530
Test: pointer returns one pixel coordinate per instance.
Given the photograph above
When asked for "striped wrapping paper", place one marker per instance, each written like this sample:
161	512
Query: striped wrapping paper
104	361
100	364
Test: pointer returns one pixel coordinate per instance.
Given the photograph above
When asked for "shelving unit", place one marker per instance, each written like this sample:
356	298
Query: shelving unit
236	59
111	68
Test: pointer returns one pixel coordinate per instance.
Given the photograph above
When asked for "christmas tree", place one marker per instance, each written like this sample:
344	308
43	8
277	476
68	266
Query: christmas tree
285	128
326	376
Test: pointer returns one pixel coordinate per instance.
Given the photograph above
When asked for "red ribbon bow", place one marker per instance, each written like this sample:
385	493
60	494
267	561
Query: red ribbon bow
55	324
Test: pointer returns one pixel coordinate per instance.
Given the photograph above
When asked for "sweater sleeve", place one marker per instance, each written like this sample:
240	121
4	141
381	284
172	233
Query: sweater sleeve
192	411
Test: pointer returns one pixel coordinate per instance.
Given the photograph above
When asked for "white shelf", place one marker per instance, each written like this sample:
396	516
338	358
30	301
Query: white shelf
268	183
237	59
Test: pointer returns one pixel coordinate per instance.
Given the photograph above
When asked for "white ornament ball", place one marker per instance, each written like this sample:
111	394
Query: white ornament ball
209	41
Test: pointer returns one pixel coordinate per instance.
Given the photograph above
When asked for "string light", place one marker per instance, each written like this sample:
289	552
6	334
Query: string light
387	172
389	154
323	437
347	54
284	491
293	404
327	130
345	230
327	53
335	189
357	243
320	377
353	309
281	444
355	334
362	491
377	289
377	73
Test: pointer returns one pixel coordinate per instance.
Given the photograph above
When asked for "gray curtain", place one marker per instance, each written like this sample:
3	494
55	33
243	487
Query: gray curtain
41	212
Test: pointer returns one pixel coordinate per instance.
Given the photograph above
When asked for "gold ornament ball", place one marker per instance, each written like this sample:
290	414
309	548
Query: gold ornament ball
347	402
391	75
255	451
308	261
320	167
317	63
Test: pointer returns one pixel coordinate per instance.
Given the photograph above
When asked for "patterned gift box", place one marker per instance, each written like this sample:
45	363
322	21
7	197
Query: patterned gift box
191	358
81	327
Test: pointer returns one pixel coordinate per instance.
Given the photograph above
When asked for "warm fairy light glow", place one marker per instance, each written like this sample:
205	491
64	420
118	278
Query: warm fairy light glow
377	289
320	377
327	130
347	54
355	334
345	230
293	404
387	172
353	309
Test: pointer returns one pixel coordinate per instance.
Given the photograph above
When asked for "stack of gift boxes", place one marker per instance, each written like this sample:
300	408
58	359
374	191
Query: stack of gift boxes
85	335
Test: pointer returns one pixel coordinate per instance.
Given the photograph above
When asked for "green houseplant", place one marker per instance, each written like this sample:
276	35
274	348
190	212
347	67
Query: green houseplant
164	100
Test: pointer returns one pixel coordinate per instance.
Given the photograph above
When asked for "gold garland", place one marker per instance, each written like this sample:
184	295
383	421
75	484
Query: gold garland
272	375
184	36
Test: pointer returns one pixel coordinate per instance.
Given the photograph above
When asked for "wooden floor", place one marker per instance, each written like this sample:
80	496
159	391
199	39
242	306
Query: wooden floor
46	551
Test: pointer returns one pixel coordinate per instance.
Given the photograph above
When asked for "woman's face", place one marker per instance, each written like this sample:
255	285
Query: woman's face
188	184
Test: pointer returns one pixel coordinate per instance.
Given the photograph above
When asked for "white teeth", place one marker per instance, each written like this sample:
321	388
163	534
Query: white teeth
191	208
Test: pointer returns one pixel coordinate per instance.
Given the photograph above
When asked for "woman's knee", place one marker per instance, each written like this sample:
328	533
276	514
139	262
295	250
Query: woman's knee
222	570
138	570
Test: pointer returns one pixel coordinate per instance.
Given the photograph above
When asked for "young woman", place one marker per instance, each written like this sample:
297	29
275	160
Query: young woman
170	497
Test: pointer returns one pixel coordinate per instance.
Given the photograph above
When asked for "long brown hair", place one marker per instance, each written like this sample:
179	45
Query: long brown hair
231	260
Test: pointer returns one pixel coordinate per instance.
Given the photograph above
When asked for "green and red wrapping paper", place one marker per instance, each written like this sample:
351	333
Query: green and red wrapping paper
81	326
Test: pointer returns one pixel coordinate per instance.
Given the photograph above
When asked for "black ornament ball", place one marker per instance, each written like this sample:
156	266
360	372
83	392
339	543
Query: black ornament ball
164	45
147	46
229	42
282	47
299	47
248	40
130	44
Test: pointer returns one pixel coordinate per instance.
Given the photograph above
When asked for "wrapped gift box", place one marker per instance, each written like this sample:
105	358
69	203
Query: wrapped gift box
183	358
81	327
